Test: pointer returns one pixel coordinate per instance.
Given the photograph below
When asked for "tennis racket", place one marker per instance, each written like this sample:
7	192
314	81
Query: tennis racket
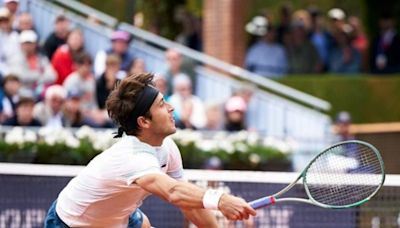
344	175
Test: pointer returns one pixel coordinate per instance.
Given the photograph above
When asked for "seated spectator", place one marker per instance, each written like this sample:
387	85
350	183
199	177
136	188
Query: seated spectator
73	114
63	58
235	114
83	81
11	86
34	69
303	58
138	66
176	65
58	37
385	49
214	115
24	114
12	6
246	91
119	46
189	109
344	58
25	22
266	57
49	112
9	44
161	84
106	82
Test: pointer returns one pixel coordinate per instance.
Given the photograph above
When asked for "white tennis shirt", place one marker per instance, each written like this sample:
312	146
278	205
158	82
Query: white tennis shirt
104	193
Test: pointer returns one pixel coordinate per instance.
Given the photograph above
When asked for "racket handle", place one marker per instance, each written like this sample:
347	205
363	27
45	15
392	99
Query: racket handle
262	202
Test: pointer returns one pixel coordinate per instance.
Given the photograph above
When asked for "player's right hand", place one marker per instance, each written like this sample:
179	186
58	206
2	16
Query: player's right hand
235	208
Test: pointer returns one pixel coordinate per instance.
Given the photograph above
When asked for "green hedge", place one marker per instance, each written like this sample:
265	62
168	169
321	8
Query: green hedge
239	151
368	98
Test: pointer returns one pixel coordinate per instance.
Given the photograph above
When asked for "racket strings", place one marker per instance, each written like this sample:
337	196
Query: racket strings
344	175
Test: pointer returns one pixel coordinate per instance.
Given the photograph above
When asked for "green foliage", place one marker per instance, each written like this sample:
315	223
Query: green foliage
239	155
368	99
159	14
115	8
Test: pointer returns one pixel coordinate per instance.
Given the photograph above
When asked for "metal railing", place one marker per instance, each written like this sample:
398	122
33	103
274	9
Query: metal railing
236	71
89	11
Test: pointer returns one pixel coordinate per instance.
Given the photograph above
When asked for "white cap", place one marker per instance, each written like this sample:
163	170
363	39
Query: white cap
181	79
55	91
257	26
4	12
337	14
7	1
28	36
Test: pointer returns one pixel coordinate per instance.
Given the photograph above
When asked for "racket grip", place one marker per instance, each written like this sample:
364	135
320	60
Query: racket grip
262	202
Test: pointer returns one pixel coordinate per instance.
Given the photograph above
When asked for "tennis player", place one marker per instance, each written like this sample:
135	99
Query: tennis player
110	189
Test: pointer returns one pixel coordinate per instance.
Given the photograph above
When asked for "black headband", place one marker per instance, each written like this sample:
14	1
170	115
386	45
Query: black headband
144	101
143	104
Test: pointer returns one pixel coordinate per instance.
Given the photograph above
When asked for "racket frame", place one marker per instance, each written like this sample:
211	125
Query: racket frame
272	199
304	175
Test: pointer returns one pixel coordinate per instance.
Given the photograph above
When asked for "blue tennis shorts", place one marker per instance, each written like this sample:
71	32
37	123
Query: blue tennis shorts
53	221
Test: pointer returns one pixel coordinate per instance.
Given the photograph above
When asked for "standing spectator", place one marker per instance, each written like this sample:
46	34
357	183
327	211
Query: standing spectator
303	58
190	35
342	127
24	114
320	37
63	58
266	57
34	69
119	46
189	109
283	28
385	49
176	65
83	81
235	114
360	41
49	112
11	86
9	44
345	58
337	18
106	82
58	37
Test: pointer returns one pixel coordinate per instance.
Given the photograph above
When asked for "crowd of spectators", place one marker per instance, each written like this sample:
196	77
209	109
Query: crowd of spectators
51	82
54	82
311	41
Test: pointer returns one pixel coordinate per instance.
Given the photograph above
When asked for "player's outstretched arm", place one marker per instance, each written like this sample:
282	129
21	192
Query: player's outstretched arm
187	195
201	217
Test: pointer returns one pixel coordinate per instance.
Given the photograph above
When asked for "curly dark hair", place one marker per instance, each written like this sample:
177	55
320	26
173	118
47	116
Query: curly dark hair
122	101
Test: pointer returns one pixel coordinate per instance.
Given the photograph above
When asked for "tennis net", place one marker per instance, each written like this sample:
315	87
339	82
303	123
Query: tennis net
27	190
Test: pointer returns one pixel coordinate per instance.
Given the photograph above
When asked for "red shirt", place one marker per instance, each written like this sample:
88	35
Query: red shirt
63	63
